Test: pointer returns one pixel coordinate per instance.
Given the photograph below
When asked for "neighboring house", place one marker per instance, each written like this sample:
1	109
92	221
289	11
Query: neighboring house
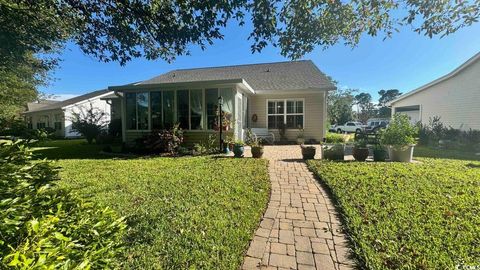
254	96
58	115
455	98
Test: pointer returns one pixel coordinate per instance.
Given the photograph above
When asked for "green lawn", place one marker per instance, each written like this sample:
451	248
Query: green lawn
69	149
183	213
408	216
422	151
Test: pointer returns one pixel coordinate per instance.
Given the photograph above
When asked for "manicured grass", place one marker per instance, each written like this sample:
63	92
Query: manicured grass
182	213
69	149
423	151
408	216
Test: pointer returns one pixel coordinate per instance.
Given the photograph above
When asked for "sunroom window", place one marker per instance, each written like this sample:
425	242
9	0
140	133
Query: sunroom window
182	108
137	110
211	100
192	109
156	109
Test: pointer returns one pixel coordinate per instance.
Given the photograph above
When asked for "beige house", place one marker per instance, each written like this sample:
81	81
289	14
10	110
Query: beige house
58	115
254	96
455	98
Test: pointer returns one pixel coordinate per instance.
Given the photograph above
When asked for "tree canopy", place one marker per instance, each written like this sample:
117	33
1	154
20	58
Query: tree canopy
122	30
385	97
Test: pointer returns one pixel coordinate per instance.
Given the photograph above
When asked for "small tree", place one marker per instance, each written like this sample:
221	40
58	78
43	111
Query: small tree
89	122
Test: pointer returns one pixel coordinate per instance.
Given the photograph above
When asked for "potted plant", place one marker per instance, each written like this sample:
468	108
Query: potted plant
257	150
379	153
228	143
399	137
334	152
308	151
255	146
238	149
360	150
300	136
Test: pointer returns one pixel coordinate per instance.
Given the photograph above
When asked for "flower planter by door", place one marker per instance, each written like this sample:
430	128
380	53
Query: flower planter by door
257	152
238	150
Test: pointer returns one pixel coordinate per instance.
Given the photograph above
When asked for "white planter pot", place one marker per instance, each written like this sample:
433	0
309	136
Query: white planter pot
401	154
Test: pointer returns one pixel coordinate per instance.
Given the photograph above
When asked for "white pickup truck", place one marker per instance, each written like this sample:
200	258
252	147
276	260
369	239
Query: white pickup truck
350	127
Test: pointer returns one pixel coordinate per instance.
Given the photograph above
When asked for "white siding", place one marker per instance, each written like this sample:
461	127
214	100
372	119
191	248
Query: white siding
49	117
84	105
456	100
314	115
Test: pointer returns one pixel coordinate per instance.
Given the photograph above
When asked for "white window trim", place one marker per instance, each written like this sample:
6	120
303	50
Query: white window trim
285	111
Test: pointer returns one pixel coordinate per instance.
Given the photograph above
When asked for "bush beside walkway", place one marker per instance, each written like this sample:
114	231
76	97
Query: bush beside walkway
409	216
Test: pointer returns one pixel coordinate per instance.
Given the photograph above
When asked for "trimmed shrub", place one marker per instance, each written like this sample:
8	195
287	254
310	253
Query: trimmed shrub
45	227
436	131
334	138
161	141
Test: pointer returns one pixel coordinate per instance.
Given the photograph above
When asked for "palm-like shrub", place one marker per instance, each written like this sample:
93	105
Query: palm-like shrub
89	122
45	227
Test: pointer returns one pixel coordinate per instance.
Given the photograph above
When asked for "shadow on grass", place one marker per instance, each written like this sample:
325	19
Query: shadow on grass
69	149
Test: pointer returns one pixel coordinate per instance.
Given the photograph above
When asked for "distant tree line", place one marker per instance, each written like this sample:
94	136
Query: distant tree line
346	105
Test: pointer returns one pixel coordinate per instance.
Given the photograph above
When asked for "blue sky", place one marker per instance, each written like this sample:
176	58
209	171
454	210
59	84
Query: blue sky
405	61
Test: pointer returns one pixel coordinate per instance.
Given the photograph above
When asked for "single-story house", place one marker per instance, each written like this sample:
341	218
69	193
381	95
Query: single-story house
455	98
254	96
59	114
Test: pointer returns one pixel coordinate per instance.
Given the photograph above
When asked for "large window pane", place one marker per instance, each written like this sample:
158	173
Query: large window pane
289	110
271	107
196	109
156	110
131	110
290	106
142	111
211	100
294	121
228	96
182	108
228	100
274	121
299	107
168	109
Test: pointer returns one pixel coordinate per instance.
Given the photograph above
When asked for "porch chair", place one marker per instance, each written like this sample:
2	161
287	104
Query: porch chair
263	134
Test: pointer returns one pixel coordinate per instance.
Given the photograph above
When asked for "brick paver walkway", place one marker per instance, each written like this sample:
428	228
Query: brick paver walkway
300	229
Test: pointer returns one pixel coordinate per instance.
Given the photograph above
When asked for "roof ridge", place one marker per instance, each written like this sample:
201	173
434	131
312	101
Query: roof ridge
240	65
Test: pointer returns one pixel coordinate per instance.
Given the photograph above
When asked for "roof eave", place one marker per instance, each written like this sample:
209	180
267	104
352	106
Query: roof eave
175	84
297	91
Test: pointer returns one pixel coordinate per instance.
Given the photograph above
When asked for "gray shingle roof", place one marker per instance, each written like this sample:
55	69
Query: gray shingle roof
36	105
293	75
64	103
